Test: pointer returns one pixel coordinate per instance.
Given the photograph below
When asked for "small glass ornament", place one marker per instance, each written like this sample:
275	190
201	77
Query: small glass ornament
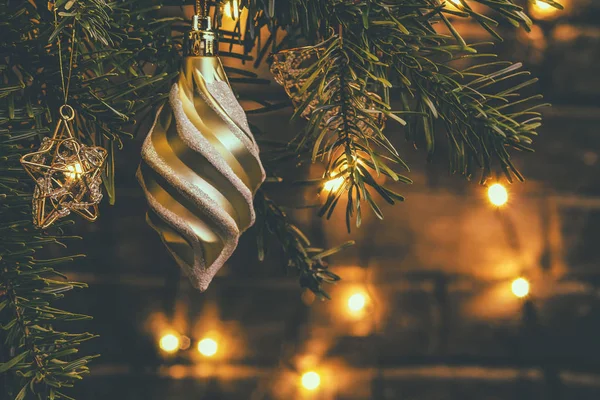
67	174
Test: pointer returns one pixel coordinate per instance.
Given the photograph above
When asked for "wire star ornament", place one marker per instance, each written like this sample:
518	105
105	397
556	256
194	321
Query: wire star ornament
67	174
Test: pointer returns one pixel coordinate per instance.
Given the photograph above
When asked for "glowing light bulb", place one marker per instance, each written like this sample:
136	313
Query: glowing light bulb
543	10
357	302
232	9
542	6
452	4
74	171
334	184
169	343
208	347
497	194
311	380
520	287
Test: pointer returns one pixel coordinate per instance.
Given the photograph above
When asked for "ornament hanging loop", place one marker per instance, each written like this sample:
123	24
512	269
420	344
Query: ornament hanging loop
202	39
66	112
66	83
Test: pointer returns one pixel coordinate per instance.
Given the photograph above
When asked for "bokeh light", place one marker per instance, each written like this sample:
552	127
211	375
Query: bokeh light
311	380
169	343
542	10
520	287
208	347
357	302
498	195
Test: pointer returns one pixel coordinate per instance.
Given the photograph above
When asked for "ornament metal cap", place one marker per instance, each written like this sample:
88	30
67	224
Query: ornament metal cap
201	41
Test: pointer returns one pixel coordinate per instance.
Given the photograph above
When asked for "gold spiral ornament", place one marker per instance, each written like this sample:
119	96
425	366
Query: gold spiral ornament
200	167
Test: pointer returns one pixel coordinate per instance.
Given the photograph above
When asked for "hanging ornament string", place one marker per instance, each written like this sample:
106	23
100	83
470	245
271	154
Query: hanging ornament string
66	84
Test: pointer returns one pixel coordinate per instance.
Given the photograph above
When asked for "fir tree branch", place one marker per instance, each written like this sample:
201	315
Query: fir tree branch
399	45
308	262
346	127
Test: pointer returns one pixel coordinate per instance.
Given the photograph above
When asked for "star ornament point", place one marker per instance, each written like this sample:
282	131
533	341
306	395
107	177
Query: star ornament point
67	174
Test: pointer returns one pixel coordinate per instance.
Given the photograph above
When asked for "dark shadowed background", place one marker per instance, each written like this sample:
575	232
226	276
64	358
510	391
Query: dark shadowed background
441	322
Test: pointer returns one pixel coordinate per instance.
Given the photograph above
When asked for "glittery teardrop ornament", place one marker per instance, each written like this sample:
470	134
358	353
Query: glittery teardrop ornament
200	165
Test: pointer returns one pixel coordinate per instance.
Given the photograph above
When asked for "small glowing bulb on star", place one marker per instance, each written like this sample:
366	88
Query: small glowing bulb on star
520	287
169	343
74	171
311	380
357	302
208	347
497	195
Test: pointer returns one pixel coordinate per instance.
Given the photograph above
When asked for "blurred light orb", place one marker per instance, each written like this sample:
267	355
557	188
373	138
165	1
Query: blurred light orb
311	380
497	195
169	343
357	302
543	7
543	10
208	347
334	184
520	287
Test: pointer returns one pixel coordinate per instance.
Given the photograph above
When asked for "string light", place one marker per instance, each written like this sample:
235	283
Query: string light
452	4
357	302
169	343
232	9
520	287
497	195
334	184
543	10
542	5
311	380
208	347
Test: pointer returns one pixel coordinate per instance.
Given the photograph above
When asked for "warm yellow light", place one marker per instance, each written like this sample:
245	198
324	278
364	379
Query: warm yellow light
334	184
452	4
497	194
208	347
357	302
232	9
74	171
542	6
311	380
542	10
169	343
520	287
